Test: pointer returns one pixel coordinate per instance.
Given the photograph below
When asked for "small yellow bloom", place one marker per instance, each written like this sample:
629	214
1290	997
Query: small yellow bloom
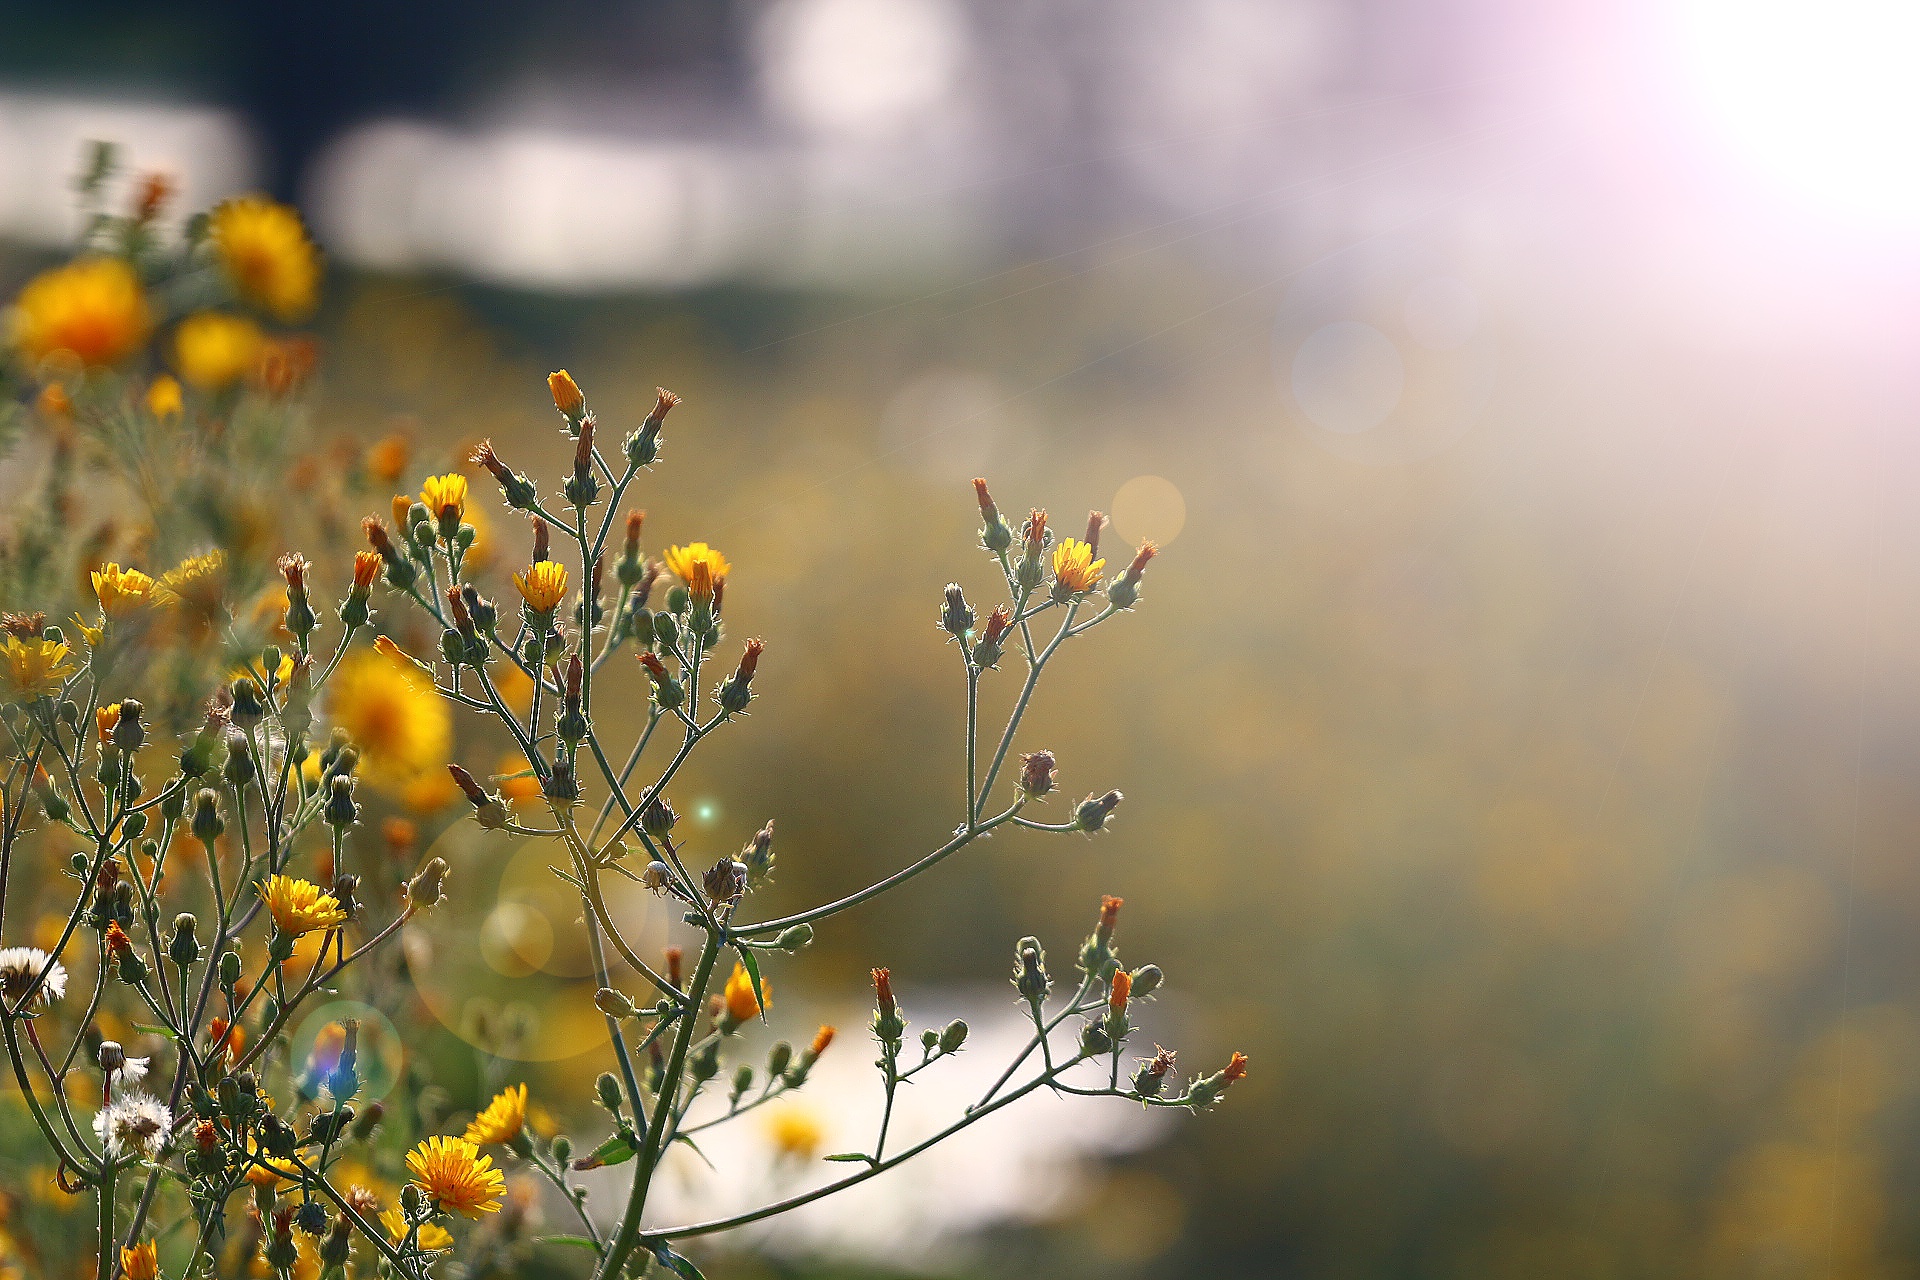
543	586
455	1176
120	591
503	1118
36	665
1074	568
164	400
795	1130
269	1172
566	393
701	567
267	255
387	704
739	1000
142	1262
213	350
105	718
197	580
300	906
93	307
444	494
432	1237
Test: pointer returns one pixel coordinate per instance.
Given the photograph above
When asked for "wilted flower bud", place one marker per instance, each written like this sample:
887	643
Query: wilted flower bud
519	490
725	881
489	809
425	889
613	1003
737	692
1151	1078
956	618
1036	774
658	818
112	1056
338	1246
1030	970
993	638
758	854
1094	810
656	876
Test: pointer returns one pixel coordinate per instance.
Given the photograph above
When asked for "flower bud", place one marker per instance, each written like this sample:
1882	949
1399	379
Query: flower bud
112	1056
562	1149
742	1080
953	1036
656	876
425	889
778	1058
490	810
519	491
758	855
705	1063
247	710
794	937
994	535
658	818
1030	970
1125	589
338	1245
956	618
736	693
993	638
613	1003
1146	980
567	397
1094	1040
341	811
724	882
1036	774
230	969
667	691
1094	810
609	1090
184	947
207	824
128	732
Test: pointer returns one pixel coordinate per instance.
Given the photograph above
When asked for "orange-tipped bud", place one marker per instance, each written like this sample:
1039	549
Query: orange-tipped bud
1036	532
366	565
997	624
883	991
1146	552
402	506
378	539
821	1039
1236	1069
1118	994
663	403
750	660
1109	916
636	520
542	540
117	941
151	196
988	511
566	394
675	956
655	668
457	604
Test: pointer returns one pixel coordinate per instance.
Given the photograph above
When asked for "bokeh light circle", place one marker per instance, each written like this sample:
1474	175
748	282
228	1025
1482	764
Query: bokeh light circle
1384	351
380	1054
1148	507
1348	377
505	962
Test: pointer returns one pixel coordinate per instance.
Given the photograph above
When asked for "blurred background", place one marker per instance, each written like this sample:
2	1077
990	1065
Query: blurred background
1517	732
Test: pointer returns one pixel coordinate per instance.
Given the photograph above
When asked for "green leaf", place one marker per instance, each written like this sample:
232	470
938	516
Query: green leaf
752	967
155	1031
668	1258
572	1242
851	1157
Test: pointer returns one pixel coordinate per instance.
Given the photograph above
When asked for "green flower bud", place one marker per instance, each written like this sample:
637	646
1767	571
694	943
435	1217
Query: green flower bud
794	937
953	1036
207	824
777	1059
609	1090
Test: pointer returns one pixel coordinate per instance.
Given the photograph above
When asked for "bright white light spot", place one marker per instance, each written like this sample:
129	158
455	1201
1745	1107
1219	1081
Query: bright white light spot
1348	377
1822	96
860	67
706	812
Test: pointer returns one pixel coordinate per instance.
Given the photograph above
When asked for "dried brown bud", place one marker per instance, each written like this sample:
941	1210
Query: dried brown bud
542	540
1036	774
1096	521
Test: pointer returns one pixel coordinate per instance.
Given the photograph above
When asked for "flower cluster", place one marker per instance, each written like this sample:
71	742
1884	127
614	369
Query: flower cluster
251	1147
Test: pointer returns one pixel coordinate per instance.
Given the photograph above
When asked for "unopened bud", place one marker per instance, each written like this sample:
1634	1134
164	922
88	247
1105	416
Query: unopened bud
425	889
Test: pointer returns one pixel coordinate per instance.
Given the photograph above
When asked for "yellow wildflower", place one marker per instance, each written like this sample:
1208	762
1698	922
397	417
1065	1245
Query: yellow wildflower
164	400
446	494
739	1000
267	255
455	1176
432	1237
795	1130
142	1262
387	704
197	580
543	585
36	665
503	1118
213	350
701	567
300	906
1074	568
566	394
121	590
93	307
105	718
